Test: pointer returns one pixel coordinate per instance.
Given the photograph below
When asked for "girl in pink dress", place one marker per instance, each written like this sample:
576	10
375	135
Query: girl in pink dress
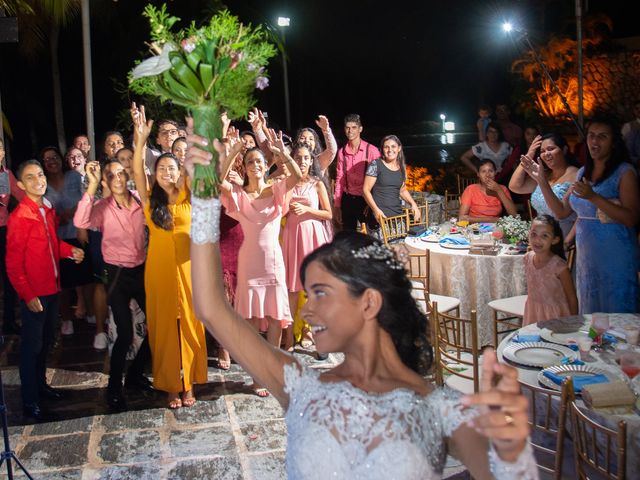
304	230
261	294
551	293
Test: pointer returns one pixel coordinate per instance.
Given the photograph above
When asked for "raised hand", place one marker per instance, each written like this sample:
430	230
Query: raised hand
94	173
323	122
141	126
255	120
234	177
535	145
503	409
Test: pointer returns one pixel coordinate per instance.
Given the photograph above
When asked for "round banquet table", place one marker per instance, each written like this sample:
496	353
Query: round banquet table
474	279
603	360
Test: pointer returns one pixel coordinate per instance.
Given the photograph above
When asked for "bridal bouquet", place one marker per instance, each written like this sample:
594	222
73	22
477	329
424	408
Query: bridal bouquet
207	70
515	229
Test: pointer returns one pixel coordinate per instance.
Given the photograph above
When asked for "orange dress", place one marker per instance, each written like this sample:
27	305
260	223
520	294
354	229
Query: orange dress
176	336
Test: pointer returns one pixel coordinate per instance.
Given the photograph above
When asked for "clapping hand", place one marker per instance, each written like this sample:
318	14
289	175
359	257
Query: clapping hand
503	409
533	168
583	189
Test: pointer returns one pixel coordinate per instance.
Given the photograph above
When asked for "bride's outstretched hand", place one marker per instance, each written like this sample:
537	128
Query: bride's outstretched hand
503	409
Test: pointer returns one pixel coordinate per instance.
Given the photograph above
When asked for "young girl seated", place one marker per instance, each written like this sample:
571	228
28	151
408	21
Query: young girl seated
551	293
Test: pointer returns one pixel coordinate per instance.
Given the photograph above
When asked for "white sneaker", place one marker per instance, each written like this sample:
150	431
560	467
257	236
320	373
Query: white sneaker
91	319
100	341
67	327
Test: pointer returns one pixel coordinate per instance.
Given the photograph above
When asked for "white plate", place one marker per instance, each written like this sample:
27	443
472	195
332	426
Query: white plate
561	338
453	246
573	371
431	238
537	354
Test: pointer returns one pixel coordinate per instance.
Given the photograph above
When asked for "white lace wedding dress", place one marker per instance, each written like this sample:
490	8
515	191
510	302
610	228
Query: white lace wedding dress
338	431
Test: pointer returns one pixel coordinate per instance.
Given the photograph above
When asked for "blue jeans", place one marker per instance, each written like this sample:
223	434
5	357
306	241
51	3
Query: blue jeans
38	332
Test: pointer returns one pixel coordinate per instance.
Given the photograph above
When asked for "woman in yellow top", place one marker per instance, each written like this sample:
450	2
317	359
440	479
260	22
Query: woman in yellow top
176	337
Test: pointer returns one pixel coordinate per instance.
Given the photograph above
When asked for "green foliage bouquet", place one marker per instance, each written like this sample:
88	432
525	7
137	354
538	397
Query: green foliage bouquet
207	70
515	229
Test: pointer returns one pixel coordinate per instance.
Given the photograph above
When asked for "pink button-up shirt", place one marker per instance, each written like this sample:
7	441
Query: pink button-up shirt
123	233
4	198
356	163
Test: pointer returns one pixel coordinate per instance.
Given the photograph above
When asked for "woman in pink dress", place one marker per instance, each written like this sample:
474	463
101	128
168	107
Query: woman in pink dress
550	289
261	294
304	230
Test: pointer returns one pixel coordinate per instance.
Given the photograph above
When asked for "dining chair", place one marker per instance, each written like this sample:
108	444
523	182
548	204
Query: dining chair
547	419
418	271
597	448
424	216
456	352
451	205
464	182
507	312
395	228
419	197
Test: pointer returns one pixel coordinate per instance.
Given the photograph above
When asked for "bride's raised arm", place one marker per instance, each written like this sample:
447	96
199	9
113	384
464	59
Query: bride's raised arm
262	361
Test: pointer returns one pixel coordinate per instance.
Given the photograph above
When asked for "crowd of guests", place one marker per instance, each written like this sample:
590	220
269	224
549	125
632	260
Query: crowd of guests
115	234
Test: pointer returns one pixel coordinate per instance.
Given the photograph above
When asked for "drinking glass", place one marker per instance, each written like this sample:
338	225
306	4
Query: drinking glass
630	365
600	324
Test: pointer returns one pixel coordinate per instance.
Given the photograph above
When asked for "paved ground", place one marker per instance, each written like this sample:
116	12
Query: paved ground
229	434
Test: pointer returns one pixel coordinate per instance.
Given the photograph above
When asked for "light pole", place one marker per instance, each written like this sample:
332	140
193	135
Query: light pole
88	78
284	22
443	117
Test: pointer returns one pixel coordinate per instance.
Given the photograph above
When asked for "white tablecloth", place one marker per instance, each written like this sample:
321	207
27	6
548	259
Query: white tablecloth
605	361
474	279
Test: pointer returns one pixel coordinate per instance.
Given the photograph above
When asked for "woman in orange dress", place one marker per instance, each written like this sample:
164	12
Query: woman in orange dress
176	337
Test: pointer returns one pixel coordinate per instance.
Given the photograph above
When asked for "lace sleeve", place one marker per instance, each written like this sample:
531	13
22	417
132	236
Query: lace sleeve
524	468
292	377
453	413
205	220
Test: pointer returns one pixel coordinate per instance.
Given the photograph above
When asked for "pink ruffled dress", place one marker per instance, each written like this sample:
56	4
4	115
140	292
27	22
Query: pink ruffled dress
545	296
302	233
261	290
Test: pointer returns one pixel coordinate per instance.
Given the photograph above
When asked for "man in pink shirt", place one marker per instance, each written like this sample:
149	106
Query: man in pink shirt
120	218
351	165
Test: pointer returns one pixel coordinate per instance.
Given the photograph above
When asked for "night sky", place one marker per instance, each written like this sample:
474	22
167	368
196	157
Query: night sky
396	63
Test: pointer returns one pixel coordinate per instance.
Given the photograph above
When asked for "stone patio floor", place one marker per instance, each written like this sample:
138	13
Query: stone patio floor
230	433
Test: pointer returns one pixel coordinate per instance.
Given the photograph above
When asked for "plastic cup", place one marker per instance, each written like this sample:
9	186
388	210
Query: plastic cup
584	345
632	333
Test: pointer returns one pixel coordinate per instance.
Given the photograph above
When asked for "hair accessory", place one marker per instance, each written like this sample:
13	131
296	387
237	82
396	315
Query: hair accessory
376	251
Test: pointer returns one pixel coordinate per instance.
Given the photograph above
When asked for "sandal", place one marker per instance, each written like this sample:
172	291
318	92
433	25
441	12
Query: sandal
261	392
174	403
188	400
223	363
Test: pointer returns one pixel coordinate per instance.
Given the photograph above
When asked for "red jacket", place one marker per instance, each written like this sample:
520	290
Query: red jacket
34	250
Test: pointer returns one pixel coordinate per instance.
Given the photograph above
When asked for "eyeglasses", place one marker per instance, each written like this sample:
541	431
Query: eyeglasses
167	133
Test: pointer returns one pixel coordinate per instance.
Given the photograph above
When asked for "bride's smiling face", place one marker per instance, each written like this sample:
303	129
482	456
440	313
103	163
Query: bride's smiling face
334	314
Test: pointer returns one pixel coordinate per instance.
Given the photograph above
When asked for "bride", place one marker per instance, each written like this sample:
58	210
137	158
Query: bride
373	416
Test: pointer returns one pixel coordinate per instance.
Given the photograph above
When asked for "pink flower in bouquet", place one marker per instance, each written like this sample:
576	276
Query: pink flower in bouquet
188	44
262	83
497	234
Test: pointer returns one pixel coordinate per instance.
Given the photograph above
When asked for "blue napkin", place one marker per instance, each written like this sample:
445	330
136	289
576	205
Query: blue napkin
578	381
449	240
519	338
426	233
608	338
486	227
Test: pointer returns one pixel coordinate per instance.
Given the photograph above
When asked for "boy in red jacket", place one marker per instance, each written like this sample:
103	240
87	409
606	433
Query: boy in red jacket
33	266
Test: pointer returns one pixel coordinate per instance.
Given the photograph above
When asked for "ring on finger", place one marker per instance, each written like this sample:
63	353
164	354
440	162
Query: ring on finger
509	419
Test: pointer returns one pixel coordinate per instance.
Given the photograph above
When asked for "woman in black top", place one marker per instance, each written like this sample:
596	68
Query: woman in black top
384	185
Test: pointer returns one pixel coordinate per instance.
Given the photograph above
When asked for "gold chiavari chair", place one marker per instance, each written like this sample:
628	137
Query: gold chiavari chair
507	312
418	272
456	350
395	228
451	204
597	448
547	425
464	182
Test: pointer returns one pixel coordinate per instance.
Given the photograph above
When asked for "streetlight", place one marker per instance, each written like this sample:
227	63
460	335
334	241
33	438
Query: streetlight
524	35
284	22
443	117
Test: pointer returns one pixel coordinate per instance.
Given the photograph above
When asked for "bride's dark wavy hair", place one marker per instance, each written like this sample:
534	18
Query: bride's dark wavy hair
159	200
399	315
